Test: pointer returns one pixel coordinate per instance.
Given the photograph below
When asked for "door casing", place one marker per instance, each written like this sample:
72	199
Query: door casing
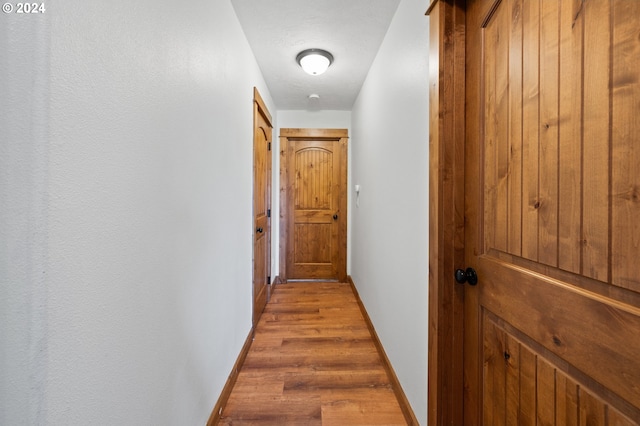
262	140
446	209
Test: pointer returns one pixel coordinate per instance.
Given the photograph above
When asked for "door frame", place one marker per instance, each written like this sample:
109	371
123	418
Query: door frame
260	109
298	134
447	124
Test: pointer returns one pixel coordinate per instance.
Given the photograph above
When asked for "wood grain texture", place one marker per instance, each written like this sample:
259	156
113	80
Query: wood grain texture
595	153
262	106
566	400
262	138
567	277
625	179
494	225
595	335
572	184
512	397
531	127
314	133
514	124
471	404
569	286
501	100
561	186
494	407
523	387
313	362
570	134
436	324
313	212
548	149
527	408
446	209
545	393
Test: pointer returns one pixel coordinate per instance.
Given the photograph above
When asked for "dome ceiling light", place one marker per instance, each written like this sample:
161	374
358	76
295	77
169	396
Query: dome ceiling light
314	61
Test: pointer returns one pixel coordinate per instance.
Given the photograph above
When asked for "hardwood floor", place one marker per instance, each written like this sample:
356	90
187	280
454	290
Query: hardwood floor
313	362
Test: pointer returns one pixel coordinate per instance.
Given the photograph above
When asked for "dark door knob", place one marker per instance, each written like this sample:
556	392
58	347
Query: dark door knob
259	230
466	276
335	217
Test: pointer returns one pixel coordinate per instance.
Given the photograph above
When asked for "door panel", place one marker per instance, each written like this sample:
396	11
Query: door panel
521	386
552	330
316	177
533	183
312	243
315	210
261	206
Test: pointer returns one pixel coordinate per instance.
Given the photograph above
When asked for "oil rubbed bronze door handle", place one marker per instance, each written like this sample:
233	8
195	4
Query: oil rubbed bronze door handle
335	217
259	230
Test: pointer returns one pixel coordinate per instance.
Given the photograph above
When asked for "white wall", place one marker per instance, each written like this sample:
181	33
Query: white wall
24	86
323	119
390	226
311	119
126	210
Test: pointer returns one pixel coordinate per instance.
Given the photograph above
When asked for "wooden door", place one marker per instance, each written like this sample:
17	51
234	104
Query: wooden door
552	207
314	192
262	131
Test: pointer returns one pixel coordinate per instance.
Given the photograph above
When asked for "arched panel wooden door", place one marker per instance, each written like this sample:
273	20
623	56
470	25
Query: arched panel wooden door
314	204
552	177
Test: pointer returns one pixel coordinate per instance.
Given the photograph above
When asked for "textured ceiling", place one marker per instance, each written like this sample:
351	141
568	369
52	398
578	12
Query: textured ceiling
352	30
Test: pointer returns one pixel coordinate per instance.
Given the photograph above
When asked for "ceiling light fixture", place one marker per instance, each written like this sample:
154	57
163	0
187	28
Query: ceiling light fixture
314	61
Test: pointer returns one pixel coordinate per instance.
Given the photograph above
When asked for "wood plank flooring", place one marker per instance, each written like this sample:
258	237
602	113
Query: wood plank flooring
312	362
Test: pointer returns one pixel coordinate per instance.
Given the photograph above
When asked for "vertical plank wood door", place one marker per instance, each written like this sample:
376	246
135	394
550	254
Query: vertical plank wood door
262	131
314	185
552	208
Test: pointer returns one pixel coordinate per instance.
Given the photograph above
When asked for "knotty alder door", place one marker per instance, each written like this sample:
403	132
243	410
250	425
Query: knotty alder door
552	207
314	210
262	132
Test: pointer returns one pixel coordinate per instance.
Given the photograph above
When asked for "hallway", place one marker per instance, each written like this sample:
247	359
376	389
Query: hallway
313	362
126	204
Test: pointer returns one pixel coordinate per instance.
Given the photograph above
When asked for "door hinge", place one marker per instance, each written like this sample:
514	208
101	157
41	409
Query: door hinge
269	280
269	147
268	212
